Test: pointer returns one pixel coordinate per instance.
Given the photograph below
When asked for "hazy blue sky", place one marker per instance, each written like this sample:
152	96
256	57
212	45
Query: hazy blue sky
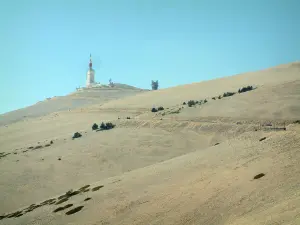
45	44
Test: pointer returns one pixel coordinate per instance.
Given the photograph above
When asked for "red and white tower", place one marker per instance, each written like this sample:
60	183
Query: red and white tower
90	75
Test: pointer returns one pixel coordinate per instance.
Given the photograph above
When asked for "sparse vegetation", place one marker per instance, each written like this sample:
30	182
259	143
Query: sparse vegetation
191	103
95	126
154	110
160	108
76	135
297	122
227	94
107	126
184	103
75	210
245	89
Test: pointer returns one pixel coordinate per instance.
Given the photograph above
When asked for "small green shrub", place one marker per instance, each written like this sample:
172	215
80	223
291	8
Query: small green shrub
107	126
76	135
160	108
245	89
95	126
227	94
154	110
191	103
102	126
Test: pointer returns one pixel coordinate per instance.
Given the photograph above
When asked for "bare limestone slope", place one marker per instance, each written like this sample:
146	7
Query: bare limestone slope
73	101
207	89
222	162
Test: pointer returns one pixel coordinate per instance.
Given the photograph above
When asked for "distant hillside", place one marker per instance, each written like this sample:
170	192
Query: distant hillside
74	100
207	89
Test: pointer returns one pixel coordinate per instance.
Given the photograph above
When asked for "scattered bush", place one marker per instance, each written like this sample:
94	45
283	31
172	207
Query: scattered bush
95	126
214	98
128	117
102	126
109	126
245	89
219	97
184	103
258	176
227	94
76	135
262	139
160	108
205	101
106	126
297	122
191	103
154	110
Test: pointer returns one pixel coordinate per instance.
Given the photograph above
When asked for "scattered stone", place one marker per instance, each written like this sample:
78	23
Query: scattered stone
3	154
71	193
75	210
48	202
258	176
63	208
68	206
58	209
97	188
62	200
84	187
37	147
262	139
